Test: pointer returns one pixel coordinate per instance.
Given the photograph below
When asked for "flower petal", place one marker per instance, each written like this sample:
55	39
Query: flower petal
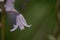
15	27
21	26
14	10
23	21
9	5
11	16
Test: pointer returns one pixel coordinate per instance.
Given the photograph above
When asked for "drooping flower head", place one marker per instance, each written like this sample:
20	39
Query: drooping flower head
18	18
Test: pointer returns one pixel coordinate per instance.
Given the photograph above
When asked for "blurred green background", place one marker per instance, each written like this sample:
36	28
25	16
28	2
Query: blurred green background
40	14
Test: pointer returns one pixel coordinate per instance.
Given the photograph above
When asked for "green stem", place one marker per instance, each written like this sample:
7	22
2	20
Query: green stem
3	22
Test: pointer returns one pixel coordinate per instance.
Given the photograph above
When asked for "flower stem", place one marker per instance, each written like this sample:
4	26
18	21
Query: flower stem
3	22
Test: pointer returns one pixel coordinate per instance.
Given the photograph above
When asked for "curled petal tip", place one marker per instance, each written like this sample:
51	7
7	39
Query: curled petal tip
28	25
15	27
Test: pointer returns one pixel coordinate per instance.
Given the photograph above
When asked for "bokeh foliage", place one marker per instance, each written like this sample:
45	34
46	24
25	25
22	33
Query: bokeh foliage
40	14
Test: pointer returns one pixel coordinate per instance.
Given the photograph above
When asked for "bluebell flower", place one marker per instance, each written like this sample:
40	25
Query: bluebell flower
19	20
